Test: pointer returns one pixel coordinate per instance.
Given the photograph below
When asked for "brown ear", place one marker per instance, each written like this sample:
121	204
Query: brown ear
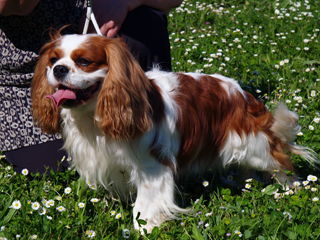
123	110
44	112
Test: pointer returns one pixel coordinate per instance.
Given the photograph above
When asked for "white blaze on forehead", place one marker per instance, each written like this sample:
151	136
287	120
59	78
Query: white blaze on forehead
70	43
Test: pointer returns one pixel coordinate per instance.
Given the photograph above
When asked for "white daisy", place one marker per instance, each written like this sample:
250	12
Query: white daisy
81	205
16	204
90	233
205	183
67	190
61	208
42	211
25	171
35	205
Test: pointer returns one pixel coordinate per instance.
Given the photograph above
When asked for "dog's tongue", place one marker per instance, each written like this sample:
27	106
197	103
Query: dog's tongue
61	96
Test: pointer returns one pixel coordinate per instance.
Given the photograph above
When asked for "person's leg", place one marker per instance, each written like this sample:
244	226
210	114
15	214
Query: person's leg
145	32
37	157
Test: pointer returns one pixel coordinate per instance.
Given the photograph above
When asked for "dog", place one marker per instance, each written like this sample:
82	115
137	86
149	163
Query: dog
131	130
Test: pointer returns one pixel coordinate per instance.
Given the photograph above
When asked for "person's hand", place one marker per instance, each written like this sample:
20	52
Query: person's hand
110	15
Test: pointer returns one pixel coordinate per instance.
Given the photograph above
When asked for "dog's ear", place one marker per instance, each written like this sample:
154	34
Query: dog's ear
44	112
123	111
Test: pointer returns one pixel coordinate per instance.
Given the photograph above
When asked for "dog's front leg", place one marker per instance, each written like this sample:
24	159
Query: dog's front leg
155	197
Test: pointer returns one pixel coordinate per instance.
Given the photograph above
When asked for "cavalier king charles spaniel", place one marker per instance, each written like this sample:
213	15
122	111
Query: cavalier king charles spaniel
136	131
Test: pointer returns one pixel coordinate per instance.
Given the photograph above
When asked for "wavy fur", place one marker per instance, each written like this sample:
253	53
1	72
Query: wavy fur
139	132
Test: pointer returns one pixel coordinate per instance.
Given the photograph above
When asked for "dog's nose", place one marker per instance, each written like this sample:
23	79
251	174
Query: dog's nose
60	71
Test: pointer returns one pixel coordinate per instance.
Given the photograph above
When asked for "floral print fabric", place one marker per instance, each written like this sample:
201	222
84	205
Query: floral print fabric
21	38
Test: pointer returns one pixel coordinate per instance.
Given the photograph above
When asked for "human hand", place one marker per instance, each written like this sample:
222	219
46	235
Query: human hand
110	15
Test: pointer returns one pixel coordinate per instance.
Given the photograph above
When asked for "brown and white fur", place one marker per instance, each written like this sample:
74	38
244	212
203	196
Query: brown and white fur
134	131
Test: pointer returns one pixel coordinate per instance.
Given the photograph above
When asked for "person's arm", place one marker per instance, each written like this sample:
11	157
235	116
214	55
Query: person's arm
17	7
163	5
111	14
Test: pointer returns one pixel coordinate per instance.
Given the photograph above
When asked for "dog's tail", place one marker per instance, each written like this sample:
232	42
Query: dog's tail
286	127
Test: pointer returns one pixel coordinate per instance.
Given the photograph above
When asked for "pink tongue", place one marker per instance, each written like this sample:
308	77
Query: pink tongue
61	96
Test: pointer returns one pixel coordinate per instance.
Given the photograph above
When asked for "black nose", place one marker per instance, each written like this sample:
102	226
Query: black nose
60	71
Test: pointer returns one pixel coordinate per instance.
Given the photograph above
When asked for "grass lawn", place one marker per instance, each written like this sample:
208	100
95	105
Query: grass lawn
272	48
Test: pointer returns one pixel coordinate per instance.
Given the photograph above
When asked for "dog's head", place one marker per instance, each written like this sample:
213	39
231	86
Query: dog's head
91	73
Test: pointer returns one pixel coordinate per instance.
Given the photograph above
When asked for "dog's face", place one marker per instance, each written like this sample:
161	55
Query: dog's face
91	73
76	68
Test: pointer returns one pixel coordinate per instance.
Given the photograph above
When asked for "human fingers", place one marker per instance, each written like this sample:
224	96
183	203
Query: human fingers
110	29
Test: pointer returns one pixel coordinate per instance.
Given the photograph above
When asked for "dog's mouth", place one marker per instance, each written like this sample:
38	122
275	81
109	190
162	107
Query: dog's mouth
69	97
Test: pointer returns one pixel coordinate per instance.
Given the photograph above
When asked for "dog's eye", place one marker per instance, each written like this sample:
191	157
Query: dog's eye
83	62
53	60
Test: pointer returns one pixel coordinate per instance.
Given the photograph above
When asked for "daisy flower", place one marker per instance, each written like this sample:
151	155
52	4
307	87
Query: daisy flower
208	214
25	172
61	209
94	200
315	199
47	204
112	212
42	211
297	184
312	178
33	236
81	205
16	204
35	205
90	233
290	192
248	186
205	183
118	216
59	198
51	202
238	233
67	190
305	183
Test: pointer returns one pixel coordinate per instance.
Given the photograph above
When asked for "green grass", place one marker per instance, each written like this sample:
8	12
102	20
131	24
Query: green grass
262	44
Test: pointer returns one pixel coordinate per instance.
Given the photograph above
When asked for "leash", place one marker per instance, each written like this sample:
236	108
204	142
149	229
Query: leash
90	17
